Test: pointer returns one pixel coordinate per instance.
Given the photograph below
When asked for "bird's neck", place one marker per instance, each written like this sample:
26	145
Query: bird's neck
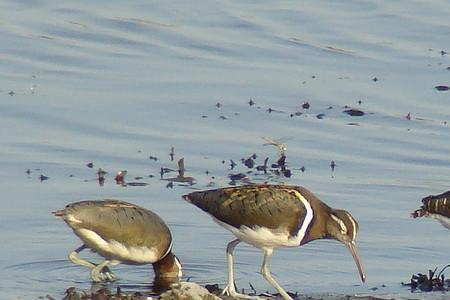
169	266
319	226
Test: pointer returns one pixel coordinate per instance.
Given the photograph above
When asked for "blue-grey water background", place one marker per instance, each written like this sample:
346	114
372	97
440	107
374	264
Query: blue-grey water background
114	82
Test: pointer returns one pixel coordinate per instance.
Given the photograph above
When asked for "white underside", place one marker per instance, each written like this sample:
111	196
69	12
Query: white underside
262	237
443	220
116	250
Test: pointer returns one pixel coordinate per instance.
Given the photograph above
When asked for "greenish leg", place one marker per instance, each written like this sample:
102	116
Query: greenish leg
266	274
100	272
73	257
230	289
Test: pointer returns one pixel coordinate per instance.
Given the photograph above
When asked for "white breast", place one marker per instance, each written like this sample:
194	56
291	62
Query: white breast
117	251
261	237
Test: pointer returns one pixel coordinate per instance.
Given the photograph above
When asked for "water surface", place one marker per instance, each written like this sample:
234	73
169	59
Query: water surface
112	83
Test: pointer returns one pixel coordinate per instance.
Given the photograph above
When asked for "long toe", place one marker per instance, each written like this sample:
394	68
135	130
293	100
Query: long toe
243	296
109	276
232	293
96	276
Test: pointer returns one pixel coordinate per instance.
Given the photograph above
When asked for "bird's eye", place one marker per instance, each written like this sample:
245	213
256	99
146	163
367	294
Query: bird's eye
342	227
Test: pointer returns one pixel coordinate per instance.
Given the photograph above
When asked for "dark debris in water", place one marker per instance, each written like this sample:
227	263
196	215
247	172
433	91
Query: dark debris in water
248	162
332	165
433	281
181	177
137	183
354	112
263	167
296	114
172	153
257	169
272	110
42	177
154	158
442	88
237	176
120	177
320	116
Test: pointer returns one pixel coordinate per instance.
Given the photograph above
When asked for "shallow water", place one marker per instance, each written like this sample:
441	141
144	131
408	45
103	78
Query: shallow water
113	83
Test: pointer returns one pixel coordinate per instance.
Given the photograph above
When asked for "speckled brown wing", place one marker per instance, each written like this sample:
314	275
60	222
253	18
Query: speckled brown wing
271	206
120	221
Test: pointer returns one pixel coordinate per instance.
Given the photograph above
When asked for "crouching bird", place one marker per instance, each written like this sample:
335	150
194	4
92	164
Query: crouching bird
270	216
121	232
437	207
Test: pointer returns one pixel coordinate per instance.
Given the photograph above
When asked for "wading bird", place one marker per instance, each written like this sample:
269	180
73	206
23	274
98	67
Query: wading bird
270	216
121	232
437	207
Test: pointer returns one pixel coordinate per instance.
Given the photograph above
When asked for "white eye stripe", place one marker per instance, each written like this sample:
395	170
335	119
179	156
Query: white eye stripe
341	224
353	224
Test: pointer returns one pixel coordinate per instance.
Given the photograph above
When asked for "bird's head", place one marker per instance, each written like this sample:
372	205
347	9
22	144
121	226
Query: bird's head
168	267
344	228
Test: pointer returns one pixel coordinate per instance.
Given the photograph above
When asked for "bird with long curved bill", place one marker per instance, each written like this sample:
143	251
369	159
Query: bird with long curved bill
271	216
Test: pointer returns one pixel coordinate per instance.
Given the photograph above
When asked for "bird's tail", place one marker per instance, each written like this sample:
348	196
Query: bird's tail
187	198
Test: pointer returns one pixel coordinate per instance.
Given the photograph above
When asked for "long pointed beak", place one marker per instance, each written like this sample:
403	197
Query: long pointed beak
354	251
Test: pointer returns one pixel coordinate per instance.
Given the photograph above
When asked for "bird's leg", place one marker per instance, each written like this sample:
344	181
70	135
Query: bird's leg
266	273
101	272
73	257
230	289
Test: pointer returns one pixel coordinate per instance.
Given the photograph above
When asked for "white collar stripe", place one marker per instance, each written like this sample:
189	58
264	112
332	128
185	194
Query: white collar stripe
168	250
354	226
308	217
340	223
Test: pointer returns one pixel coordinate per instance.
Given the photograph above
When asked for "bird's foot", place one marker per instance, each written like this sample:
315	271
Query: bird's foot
231	291
104	275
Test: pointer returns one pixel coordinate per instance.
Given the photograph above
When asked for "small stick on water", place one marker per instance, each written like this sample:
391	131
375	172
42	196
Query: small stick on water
443	269
277	143
253	289
172	153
